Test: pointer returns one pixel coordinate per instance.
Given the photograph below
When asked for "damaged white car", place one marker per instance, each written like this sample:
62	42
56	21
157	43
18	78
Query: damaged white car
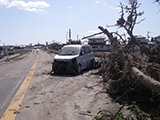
73	59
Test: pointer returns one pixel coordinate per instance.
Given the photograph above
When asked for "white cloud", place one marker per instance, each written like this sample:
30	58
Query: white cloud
40	10
117	8
3	2
96	2
28	6
70	7
31	9
105	4
101	1
71	15
114	8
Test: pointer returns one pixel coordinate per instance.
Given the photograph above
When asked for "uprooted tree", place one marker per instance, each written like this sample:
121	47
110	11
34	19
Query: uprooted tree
131	75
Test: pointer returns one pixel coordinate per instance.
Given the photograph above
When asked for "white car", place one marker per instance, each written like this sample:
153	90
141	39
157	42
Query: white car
73	59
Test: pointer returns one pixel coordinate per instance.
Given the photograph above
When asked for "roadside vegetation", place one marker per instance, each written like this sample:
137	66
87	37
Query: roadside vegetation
14	54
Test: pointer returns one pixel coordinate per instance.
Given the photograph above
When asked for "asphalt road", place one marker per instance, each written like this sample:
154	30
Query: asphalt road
12	74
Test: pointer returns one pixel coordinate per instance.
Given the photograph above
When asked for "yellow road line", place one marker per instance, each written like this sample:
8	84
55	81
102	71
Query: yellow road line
13	108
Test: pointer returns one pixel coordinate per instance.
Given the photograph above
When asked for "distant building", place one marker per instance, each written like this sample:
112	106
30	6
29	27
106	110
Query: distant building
55	46
157	39
143	41
100	44
140	39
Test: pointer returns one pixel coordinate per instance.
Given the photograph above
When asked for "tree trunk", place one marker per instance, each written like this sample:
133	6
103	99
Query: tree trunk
146	80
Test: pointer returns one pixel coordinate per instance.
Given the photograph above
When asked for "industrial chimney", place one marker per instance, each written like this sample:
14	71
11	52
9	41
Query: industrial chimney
69	34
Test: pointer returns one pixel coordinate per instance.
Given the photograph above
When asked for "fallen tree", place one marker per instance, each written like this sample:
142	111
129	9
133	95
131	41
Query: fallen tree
129	75
146	80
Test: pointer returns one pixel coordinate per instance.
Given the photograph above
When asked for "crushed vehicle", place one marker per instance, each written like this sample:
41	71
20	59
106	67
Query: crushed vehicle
73	59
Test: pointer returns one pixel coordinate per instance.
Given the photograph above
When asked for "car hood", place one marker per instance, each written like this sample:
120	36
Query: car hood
64	57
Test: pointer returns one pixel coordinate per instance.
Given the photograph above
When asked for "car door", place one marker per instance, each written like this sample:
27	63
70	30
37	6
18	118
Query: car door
90	54
87	55
82	57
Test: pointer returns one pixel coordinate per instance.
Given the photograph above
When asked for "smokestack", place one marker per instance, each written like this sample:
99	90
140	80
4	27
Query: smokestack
69	34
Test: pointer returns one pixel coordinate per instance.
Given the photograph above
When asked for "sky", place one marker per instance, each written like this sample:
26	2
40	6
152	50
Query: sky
24	22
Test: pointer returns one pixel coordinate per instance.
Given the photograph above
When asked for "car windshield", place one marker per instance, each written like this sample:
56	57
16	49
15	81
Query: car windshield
69	51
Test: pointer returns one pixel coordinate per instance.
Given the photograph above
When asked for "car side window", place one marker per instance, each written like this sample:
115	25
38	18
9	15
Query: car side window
82	51
86	50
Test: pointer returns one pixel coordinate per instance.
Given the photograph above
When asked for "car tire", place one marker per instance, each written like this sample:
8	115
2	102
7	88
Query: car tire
92	64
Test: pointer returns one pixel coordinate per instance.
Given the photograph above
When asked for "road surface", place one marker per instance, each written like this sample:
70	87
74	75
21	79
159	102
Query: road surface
12	74
52	97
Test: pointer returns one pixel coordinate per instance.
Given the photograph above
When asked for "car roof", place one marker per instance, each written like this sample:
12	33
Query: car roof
75	45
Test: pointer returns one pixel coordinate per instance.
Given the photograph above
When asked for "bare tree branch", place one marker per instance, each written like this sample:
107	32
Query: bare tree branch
119	36
92	35
140	21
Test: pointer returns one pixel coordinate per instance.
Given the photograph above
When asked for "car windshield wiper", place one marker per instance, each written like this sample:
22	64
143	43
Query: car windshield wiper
68	54
65	54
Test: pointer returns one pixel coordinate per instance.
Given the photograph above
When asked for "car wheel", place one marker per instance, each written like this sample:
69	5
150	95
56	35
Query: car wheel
92	64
